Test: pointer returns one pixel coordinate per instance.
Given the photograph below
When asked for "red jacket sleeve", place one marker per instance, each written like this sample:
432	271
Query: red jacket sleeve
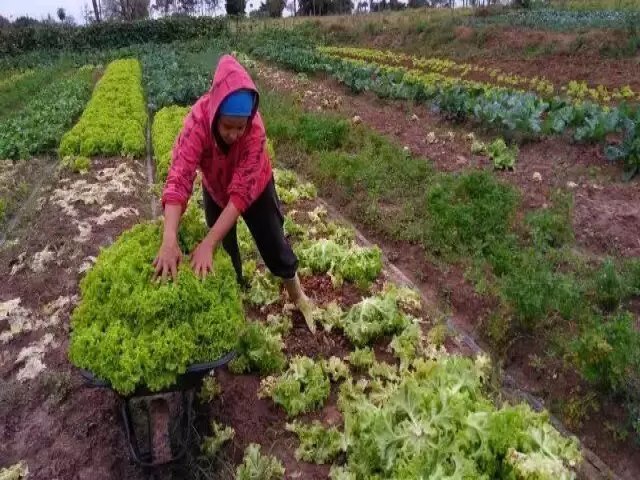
247	183
186	156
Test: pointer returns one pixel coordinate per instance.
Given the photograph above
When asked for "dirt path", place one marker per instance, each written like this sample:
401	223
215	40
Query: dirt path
47	417
558	163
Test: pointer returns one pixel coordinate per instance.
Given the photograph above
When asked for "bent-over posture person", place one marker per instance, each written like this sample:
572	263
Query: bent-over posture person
225	138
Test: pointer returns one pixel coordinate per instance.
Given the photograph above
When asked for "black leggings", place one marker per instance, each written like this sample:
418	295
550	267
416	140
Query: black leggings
265	220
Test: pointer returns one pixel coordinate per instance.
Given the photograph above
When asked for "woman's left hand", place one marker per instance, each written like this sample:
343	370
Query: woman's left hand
202	258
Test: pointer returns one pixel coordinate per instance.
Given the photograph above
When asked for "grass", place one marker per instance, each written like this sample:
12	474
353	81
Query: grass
543	285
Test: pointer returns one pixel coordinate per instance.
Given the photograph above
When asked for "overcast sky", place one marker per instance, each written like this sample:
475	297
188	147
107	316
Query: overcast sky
39	8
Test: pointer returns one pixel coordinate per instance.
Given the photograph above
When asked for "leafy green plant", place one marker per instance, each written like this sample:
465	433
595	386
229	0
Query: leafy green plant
302	388
608	353
280	323
178	74
609	287
260	350
115	119
373	317
317	444
502	155
408	344
264	289
322	133
359	265
468	213
466	437
256	466
167	124
39	125
335	368
361	358
551	227
210	389
76	164
212	444
131	331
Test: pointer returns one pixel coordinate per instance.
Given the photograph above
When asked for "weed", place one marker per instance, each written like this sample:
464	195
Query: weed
322	133
468	213
609	288
608	353
551	227
578	408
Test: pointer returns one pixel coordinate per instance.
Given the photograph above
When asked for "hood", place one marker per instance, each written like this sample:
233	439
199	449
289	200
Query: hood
229	77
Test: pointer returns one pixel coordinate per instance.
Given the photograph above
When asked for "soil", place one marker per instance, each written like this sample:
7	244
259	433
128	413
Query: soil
447	289
49	419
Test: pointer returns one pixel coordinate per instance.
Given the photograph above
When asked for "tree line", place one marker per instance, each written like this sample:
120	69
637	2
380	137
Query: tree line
128	10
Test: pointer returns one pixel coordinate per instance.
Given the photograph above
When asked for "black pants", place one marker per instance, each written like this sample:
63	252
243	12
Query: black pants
265	220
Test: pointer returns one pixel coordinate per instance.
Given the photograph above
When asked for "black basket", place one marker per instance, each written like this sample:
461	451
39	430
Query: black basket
185	384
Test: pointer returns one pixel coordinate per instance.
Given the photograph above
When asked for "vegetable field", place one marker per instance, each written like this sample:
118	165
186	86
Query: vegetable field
468	236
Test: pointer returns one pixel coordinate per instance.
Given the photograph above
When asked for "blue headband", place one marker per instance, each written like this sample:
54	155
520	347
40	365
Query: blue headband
238	104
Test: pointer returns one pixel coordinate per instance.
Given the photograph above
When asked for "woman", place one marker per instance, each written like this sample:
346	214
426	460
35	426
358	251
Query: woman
224	137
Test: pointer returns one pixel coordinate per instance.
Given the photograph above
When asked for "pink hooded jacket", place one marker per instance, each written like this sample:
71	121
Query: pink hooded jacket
239	176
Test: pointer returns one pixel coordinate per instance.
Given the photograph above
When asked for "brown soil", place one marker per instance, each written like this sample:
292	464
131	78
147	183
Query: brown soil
558	163
61	428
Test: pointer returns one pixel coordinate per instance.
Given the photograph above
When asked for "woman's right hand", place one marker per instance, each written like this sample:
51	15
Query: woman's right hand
168	259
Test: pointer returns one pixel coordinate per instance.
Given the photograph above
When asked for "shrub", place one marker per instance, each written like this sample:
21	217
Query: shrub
106	35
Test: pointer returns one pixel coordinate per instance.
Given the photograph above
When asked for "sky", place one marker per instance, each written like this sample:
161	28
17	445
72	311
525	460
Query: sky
38	9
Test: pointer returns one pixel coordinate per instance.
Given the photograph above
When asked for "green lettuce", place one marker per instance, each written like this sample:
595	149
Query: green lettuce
132	331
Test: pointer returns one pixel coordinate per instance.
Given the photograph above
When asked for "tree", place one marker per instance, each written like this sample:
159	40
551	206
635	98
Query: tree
25	22
325	7
271	8
97	10
62	14
236	8
126	9
4	22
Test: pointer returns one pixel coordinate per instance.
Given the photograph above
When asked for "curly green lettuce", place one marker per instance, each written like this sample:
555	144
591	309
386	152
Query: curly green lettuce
134	332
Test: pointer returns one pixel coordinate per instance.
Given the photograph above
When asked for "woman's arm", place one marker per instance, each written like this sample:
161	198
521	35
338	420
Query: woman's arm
186	156
169	255
202	256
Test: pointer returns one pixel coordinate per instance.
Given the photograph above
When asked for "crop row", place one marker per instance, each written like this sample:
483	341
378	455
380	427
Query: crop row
115	119
575	90
510	111
562	20
167	124
178	74
38	126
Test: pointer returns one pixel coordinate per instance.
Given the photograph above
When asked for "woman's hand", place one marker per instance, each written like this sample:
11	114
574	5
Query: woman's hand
168	259
202	258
